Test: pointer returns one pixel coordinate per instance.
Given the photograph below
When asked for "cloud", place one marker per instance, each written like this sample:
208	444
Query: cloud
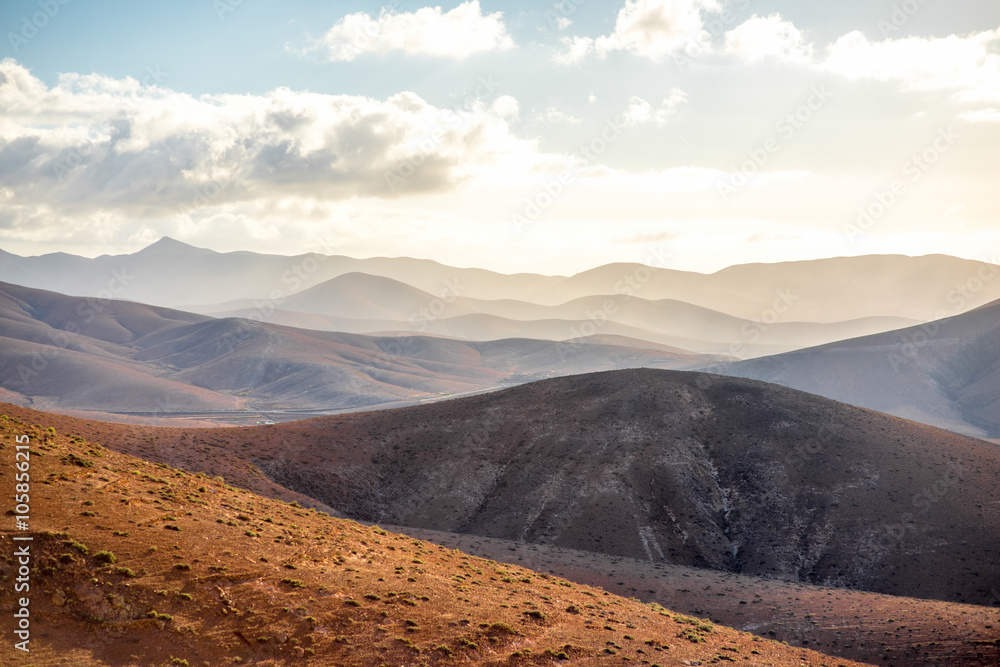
506	106
970	64
576	50
429	31
553	116
981	116
641	112
652	29
771	37
104	150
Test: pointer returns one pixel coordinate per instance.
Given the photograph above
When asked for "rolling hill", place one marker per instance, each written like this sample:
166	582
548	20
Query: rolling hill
71	353
135	563
662	466
945	373
311	549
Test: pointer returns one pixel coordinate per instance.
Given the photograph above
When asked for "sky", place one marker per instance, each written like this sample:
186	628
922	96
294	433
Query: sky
515	136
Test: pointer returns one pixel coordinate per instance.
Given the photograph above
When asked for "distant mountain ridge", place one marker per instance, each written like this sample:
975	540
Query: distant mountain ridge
360	303
109	356
945	373
171	273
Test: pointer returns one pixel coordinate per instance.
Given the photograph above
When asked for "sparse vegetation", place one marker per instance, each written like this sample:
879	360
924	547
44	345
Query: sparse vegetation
105	558
310	615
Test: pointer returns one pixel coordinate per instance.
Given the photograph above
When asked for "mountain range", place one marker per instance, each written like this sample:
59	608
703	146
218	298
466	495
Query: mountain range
751	310
72	353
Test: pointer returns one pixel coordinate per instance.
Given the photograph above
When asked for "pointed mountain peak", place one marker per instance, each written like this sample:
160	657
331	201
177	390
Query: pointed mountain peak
167	244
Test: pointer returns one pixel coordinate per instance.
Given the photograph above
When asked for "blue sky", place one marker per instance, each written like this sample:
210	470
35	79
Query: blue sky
128	121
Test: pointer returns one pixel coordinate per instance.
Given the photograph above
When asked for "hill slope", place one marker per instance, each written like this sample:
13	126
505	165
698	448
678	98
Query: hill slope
139	577
945	373
861	626
70	353
663	466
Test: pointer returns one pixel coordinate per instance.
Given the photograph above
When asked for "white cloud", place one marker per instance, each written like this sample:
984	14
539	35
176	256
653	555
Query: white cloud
576	50
429	31
981	116
562	23
641	112
554	116
771	37
970	64
653	29
98	151
506	106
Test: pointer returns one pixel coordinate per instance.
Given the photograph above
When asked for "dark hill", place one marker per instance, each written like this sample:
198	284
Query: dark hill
724	473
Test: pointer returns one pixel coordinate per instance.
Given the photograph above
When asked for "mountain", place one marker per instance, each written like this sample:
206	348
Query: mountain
824	290
945	373
138	563
71	353
360	303
662	466
174	274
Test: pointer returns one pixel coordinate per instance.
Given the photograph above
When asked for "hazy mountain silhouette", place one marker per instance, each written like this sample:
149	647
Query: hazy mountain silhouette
61	352
170	273
360	303
945	373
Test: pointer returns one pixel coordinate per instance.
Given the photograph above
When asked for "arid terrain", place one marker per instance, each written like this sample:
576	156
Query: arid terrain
135	563
869	627
661	466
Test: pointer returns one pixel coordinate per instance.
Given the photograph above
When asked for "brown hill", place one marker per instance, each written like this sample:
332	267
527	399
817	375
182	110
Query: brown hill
134	563
869	627
662	466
